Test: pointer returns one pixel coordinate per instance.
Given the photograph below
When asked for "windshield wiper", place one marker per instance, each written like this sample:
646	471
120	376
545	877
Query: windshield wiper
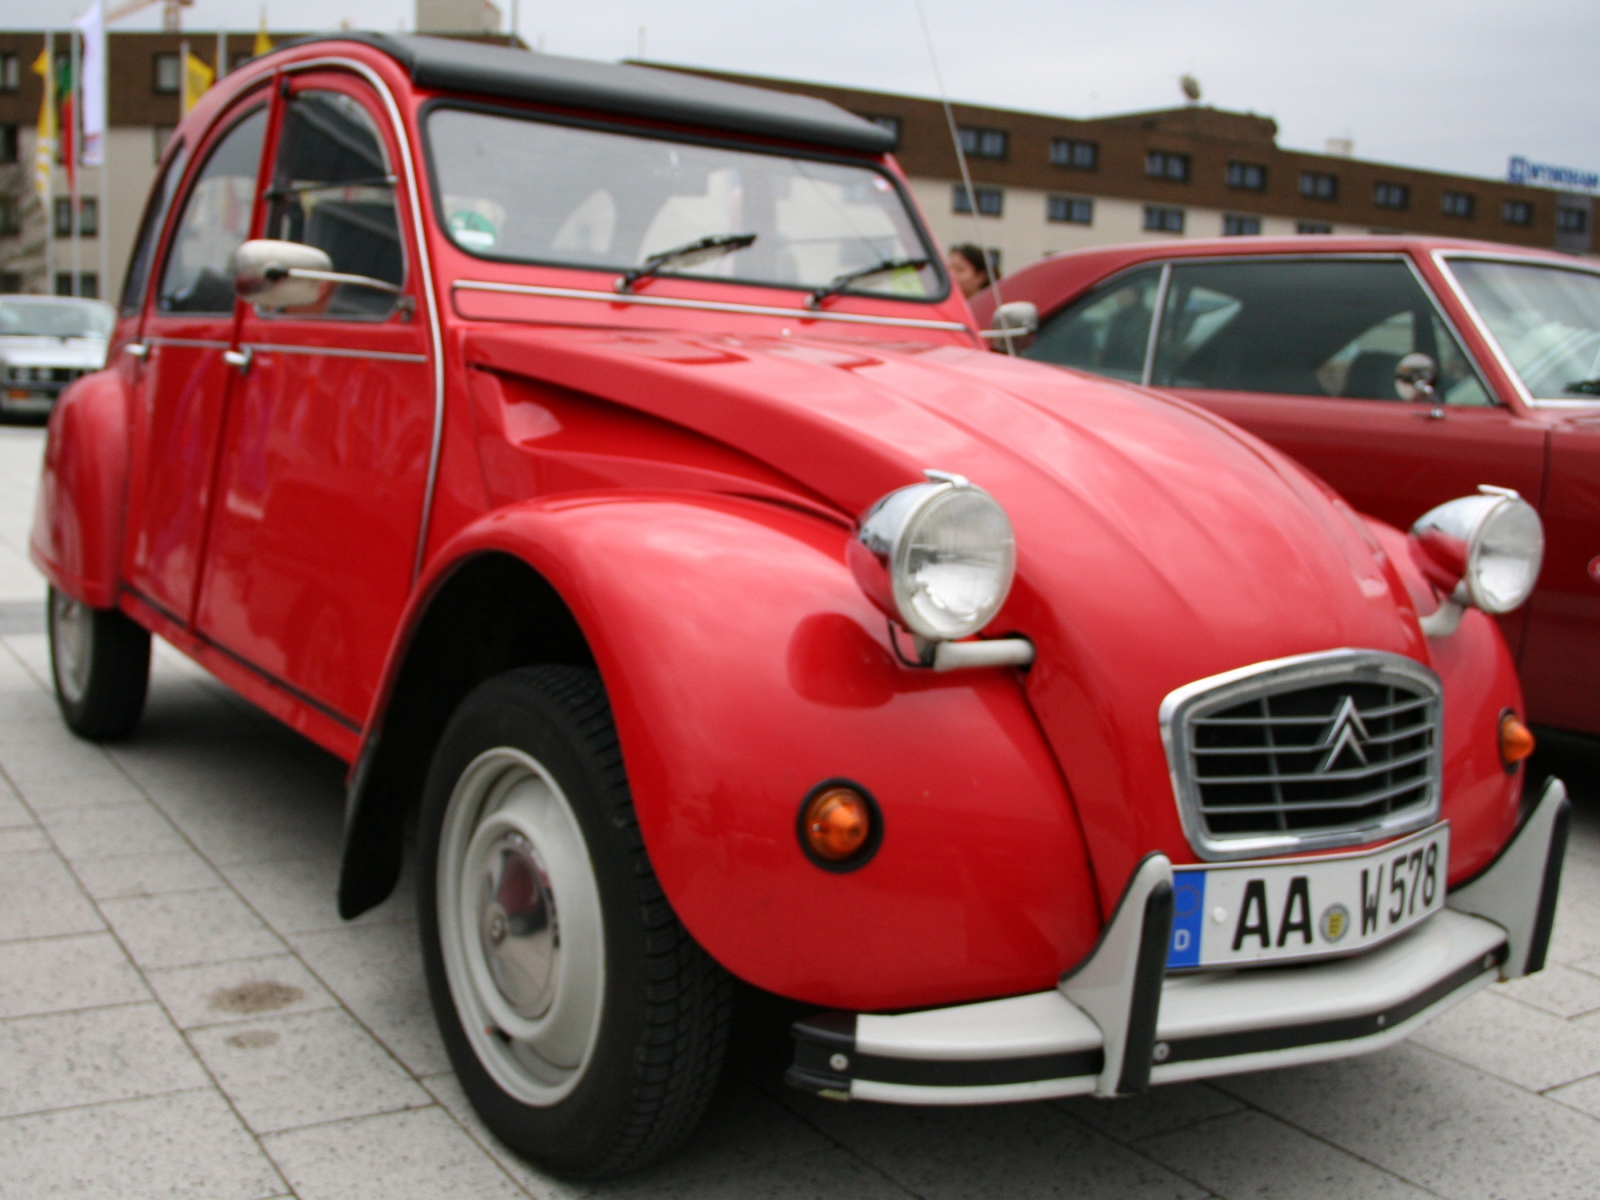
1584	387
840	283
690	254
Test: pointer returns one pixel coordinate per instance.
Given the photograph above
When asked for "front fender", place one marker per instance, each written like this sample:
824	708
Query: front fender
743	667
77	521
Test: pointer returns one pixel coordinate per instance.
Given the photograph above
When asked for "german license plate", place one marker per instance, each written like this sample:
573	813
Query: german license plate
1234	914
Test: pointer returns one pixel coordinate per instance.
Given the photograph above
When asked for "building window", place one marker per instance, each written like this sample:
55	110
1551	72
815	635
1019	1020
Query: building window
88	216
239	57
1163	164
983	143
9	145
1234	225
1162	220
88	284
9	72
10	216
61	225
1313	227
1458	204
991	200
1391	195
1078	155
890	125
167	78
1517	212
1572	220
1249	177
163	135
1074	210
10	283
1318	185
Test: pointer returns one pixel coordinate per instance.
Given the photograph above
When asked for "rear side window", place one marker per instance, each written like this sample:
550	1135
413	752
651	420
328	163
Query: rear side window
1106	332
332	189
216	219
1329	329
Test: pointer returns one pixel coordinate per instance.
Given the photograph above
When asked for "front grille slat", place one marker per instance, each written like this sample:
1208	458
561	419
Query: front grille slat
1324	750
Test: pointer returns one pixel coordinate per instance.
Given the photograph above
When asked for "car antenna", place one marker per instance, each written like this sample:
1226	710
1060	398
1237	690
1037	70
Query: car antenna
961	161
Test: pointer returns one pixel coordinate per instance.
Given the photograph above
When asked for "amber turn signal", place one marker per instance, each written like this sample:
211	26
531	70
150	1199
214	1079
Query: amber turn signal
836	826
1516	740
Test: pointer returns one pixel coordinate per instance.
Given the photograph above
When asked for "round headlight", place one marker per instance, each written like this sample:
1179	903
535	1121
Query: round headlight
1503	562
1485	549
937	556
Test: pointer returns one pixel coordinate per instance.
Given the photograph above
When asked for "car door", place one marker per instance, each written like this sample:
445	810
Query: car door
182	389
324	458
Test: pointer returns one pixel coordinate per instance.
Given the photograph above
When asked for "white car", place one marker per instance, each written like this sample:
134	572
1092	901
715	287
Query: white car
45	343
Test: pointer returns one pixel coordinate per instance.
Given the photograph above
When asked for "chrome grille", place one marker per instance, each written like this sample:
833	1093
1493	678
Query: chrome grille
1323	750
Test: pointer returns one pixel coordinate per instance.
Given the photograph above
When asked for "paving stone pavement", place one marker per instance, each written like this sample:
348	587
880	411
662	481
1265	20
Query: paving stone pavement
183	1014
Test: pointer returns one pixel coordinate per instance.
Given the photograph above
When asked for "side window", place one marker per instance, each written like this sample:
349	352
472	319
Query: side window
1107	332
1329	328
332	189
155	216
215	222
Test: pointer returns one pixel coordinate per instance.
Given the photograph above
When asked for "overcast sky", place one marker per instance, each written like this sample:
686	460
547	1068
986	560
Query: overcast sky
1456	85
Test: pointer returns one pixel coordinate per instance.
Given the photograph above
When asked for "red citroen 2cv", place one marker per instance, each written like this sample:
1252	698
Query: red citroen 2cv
597	459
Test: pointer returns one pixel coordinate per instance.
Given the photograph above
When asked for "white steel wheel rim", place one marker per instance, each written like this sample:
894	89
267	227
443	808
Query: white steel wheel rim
72	630
520	926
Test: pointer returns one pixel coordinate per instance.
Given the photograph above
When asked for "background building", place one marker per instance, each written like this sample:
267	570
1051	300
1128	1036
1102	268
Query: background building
1046	184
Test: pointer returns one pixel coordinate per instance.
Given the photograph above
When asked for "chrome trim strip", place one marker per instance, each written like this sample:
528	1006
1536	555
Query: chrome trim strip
1156	315
194	343
1283	674
332	352
1441	261
759	310
424	267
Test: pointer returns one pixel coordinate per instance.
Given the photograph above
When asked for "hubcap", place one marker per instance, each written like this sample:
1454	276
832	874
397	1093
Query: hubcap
520	927
71	639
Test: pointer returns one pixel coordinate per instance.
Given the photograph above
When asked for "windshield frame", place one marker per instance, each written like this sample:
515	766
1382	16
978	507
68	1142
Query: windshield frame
64	302
1442	260
930	248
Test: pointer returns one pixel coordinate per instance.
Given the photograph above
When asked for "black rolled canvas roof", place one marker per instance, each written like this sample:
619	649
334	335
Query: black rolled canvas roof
457	65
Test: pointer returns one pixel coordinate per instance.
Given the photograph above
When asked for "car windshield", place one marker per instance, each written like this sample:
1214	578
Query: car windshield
40	318
526	190
1546	321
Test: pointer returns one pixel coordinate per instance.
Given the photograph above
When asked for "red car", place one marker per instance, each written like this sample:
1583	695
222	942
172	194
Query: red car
597	459
1298	340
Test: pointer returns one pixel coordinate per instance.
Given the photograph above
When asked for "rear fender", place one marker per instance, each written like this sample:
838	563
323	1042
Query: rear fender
744	666
77	521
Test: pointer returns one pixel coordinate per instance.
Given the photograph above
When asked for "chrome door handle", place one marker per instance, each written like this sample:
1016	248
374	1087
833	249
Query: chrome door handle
137	349
239	358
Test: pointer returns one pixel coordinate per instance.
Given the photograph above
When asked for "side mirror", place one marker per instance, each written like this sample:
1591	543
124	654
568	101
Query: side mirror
273	274
1414	377
1018	319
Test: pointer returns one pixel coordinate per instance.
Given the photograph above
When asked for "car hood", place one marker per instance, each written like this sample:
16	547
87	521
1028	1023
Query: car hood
86	353
1156	543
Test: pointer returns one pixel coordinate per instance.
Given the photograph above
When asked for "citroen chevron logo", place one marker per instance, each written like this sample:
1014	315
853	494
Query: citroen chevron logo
1346	732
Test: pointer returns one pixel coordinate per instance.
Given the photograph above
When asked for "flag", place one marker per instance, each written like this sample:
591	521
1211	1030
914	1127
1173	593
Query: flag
66	88
44	153
197	77
263	42
92	85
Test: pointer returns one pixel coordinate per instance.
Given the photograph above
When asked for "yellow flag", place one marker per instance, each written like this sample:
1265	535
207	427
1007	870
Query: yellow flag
263	42
44	154
197	77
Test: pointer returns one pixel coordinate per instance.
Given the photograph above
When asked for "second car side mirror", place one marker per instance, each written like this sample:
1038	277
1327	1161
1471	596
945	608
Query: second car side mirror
1018	319
274	274
1414	377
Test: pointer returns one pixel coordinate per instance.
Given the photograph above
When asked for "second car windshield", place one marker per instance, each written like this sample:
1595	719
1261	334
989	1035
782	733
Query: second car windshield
1546	321
526	190
34	318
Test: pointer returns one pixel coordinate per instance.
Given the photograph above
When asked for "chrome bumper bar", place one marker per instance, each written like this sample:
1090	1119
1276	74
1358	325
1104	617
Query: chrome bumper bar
1117	1023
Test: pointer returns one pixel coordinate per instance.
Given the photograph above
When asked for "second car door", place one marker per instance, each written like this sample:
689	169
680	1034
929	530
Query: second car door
324	457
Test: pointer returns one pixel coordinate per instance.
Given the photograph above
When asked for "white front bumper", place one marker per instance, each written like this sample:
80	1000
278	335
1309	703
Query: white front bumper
1098	1033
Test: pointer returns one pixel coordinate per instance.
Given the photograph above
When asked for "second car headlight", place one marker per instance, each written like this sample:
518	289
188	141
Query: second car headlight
939	556
1484	550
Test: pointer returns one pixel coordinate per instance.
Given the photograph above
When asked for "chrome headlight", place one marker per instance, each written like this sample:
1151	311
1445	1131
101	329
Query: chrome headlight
1484	550
939	556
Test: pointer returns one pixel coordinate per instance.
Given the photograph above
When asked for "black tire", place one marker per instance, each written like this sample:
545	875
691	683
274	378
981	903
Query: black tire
100	665
660	1028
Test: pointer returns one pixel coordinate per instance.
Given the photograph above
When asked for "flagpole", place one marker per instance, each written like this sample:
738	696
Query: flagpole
103	208
50	176
222	50
183	80
71	145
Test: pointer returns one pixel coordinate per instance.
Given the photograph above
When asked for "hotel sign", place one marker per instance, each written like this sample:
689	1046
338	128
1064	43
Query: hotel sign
1544	175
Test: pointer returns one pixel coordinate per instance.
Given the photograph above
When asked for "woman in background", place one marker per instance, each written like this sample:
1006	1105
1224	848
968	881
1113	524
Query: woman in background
970	268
